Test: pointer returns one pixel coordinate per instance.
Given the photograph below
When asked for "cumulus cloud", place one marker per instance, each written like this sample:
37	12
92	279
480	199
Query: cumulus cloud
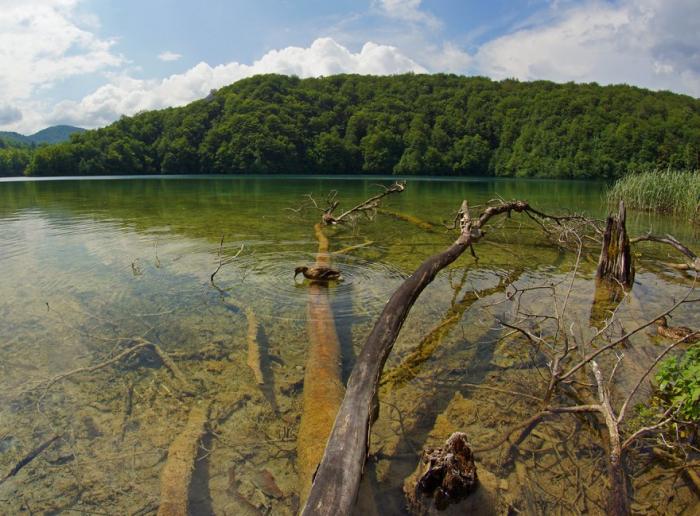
407	10
9	114
41	43
650	43
126	95
169	56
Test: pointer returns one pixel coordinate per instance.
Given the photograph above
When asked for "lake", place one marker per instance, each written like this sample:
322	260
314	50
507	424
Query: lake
91	267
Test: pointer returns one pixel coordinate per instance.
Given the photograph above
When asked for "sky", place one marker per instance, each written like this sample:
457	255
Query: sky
88	62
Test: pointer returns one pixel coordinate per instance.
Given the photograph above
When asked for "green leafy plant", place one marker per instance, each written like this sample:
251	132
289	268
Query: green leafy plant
679	384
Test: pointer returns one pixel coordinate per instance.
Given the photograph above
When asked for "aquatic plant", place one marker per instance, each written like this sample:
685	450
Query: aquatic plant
665	191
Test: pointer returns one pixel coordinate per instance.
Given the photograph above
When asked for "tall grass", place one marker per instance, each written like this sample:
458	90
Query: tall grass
665	191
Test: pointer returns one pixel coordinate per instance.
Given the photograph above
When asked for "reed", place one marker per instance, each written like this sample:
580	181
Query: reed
670	191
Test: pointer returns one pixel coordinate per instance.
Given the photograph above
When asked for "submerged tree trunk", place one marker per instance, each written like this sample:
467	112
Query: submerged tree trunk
338	477
176	477
323	387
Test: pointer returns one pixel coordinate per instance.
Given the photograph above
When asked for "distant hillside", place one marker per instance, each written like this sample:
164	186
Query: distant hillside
53	134
10	138
403	124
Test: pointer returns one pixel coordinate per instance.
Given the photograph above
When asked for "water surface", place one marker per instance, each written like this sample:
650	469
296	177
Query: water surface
89	266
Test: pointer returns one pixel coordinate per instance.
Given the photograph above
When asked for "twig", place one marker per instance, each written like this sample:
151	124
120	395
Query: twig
30	457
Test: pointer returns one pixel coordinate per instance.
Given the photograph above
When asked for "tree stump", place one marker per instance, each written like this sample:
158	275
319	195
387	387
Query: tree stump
446	475
615	271
615	262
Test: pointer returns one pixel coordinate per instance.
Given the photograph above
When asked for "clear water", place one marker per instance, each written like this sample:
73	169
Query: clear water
90	266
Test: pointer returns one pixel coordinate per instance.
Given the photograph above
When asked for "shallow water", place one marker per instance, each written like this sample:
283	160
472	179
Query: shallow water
88	266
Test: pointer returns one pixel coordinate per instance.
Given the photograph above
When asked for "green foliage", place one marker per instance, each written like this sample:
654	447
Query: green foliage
669	191
679	384
405	124
14	160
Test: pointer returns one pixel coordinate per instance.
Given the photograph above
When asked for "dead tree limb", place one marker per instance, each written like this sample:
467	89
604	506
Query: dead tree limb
369	205
693	260
338	477
139	344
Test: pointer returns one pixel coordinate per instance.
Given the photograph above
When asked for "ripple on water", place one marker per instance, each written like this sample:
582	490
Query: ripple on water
267	280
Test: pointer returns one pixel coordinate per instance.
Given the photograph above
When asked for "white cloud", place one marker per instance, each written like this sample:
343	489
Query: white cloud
407	10
41	43
126	95
649	43
169	56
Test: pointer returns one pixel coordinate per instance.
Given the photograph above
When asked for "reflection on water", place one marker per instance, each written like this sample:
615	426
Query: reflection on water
91	266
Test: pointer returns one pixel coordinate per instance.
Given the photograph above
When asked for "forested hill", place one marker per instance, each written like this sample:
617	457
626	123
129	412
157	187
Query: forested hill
405	124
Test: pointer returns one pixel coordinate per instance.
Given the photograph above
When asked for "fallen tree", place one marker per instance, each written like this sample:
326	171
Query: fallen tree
337	479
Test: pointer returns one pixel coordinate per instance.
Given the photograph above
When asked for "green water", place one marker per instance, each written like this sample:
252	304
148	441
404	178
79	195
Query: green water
88	266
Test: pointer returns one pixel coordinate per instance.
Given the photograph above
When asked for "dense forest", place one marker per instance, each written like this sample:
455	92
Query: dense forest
404	124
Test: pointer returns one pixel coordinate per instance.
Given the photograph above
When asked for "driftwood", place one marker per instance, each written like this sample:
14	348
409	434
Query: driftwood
176	477
693	262
337	480
323	388
367	207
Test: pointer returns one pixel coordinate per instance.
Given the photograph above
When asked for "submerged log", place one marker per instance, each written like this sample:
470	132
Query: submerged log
405	217
253	360
323	387
338	477
409	367
176	477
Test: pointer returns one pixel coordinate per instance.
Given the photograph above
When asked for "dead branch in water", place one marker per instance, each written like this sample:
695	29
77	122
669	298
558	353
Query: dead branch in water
338	477
368	207
223	262
693	260
33	454
141	343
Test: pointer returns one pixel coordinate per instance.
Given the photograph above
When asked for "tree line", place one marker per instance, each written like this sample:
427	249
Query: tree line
403	124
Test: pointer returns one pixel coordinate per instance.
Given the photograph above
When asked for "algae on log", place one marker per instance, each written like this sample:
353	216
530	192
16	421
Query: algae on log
408	368
177	473
323	387
337	480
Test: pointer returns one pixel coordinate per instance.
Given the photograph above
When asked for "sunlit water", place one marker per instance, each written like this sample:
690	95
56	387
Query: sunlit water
90	266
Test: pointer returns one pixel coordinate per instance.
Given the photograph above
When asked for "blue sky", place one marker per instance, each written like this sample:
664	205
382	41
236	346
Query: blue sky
87	62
